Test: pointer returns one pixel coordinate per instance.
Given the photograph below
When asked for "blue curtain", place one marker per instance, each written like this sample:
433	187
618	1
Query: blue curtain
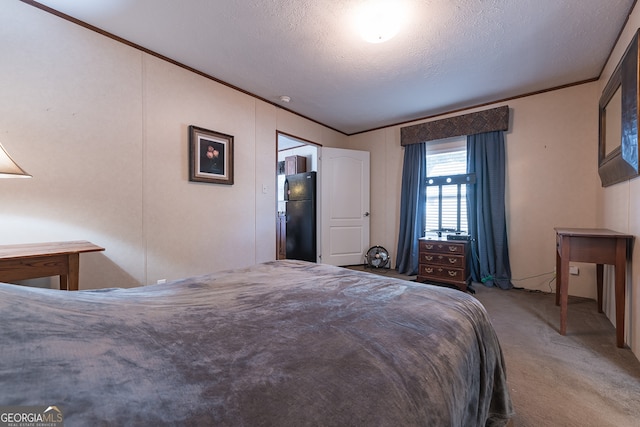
486	210
413	205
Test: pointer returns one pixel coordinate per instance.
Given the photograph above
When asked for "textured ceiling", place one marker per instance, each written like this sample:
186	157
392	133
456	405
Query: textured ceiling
450	54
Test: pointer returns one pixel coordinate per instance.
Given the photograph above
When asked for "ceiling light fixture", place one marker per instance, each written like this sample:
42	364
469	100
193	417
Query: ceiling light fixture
380	20
285	98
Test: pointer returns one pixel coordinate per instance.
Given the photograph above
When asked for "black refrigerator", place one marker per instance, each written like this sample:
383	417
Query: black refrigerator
300	197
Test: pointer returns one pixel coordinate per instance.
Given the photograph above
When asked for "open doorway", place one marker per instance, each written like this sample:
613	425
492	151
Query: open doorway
297	160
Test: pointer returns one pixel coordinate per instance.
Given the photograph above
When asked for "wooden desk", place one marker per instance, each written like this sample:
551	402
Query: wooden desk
30	261
593	245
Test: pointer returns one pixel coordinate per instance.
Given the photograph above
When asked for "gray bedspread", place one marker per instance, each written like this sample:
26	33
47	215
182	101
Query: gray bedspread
285	343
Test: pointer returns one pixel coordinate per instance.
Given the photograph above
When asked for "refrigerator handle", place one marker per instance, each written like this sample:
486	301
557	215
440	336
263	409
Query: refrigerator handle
286	189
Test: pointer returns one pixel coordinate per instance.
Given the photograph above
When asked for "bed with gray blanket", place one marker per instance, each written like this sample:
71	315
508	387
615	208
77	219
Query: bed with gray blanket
284	343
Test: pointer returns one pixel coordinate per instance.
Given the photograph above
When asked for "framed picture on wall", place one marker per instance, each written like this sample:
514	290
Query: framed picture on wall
210	156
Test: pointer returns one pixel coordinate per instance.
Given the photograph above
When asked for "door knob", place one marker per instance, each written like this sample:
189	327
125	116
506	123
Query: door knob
366	214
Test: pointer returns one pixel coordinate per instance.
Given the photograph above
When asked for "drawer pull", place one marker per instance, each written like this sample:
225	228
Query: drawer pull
452	260
453	273
428	246
453	249
429	270
428	257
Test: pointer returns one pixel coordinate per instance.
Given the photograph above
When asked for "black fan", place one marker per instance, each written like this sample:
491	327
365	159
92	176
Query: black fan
377	257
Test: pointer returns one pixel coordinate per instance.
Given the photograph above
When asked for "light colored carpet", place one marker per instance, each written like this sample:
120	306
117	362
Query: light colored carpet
581	379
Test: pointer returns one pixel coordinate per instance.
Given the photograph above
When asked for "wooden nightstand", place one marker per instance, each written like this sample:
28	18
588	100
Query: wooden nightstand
444	262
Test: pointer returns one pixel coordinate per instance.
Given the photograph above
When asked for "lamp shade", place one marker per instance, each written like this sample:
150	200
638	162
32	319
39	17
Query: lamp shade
9	168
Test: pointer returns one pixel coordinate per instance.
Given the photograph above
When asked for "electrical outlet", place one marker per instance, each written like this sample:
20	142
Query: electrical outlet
574	270
161	281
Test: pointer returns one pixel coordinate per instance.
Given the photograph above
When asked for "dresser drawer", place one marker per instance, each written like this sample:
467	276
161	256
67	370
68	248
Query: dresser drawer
457	261
445	274
442	247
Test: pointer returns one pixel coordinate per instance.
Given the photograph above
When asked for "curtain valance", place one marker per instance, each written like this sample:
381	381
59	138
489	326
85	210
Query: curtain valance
495	119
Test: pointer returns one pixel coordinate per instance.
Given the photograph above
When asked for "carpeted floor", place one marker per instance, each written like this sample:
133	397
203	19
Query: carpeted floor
581	379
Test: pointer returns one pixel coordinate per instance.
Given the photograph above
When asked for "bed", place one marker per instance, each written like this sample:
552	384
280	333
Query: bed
283	343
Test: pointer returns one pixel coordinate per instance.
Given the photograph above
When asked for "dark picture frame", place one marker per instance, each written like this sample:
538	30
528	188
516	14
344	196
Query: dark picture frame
210	156
618	159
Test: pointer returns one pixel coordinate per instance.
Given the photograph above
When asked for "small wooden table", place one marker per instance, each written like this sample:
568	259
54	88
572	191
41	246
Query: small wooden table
593	245
33	260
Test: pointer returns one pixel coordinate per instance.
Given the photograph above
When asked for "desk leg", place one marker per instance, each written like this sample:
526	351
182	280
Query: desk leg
558	275
599	282
69	281
64	282
620	280
74	271
563	279
64	272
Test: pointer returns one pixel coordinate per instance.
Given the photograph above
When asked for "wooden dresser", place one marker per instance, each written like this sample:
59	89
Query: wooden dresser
444	262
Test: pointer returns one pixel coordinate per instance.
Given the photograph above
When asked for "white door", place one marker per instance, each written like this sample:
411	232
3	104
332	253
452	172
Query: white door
344	206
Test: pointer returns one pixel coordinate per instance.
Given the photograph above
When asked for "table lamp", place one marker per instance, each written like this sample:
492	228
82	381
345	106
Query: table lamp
9	168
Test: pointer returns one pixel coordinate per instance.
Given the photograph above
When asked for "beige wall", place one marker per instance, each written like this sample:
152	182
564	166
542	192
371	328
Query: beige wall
102	127
618	208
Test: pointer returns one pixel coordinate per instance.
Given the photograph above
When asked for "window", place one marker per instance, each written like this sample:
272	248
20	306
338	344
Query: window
447	181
